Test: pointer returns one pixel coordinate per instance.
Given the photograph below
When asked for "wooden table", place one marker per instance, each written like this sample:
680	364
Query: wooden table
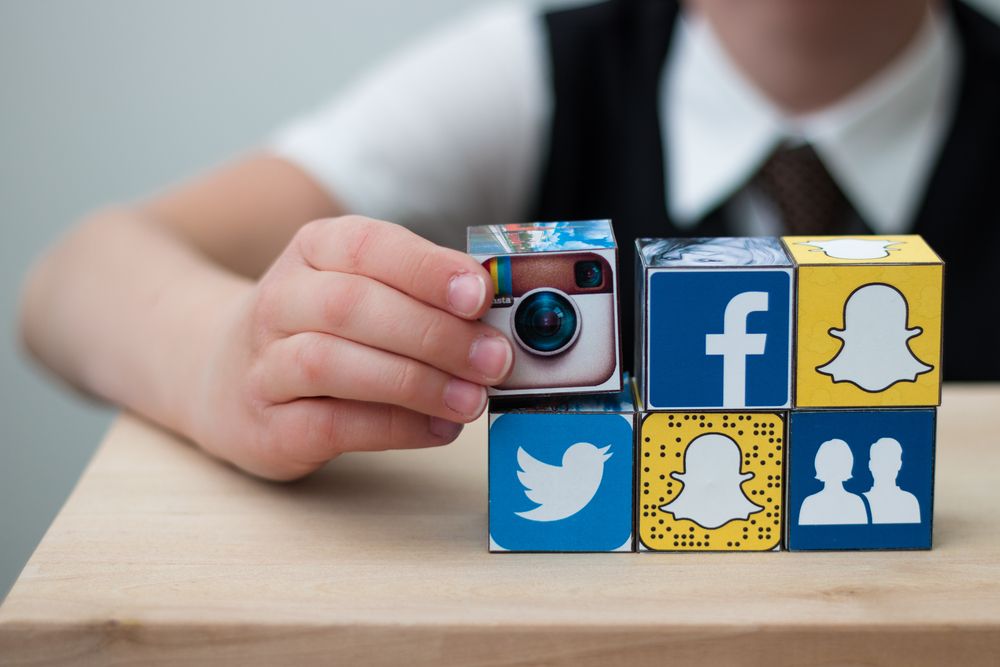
163	556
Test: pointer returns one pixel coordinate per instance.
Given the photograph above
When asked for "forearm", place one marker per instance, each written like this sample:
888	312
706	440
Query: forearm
217	311
123	309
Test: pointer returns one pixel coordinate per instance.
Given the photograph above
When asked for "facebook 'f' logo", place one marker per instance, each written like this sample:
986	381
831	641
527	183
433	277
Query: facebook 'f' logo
719	338
734	345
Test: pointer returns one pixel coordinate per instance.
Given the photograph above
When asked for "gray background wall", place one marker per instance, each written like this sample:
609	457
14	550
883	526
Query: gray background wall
108	99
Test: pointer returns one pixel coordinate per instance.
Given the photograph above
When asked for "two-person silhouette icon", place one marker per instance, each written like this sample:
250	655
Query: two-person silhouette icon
834	505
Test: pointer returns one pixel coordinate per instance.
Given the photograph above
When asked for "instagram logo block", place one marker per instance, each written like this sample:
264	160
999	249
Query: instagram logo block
555	295
715	323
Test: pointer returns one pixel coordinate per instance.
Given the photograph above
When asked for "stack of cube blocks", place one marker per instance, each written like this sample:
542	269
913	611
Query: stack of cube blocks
784	392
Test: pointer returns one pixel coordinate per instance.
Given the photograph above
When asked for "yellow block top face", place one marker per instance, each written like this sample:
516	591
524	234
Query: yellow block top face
868	336
711	481
902	249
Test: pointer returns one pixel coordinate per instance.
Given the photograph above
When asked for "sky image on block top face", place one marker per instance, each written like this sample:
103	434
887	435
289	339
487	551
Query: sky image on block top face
540	237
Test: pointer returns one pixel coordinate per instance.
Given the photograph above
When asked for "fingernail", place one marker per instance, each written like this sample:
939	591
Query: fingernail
465	398
490	356
444	429
466	293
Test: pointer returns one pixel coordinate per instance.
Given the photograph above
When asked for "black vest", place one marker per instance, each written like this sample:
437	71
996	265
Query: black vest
605	161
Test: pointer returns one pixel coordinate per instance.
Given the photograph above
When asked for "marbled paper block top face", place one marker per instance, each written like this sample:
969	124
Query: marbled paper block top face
711	481
869	335
711	252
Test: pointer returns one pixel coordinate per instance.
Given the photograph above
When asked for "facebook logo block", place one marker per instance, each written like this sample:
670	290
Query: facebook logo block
719	338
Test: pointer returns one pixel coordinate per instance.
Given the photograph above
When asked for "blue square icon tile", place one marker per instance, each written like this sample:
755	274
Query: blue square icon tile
560	481
719	338
861	479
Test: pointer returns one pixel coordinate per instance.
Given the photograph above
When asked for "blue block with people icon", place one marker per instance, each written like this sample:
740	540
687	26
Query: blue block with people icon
860	479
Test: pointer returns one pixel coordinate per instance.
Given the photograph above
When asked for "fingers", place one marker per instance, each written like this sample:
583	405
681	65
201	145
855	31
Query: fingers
315	364
314	430
397	257
368	312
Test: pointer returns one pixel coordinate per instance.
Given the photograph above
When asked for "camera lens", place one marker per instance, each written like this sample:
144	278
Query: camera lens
588	274
545	322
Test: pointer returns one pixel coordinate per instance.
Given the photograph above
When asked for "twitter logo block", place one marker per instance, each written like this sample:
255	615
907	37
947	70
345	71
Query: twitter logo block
716	323
561	475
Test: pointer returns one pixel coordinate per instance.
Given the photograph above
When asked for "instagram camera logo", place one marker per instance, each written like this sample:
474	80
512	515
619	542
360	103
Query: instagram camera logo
559	309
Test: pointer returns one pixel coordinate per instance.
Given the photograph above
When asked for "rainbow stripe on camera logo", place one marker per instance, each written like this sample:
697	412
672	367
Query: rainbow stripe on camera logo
499	268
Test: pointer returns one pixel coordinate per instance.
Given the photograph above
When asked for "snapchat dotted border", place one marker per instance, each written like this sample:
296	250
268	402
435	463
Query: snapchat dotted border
664	438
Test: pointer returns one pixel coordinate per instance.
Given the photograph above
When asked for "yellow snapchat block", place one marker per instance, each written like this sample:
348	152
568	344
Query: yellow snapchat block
711	481
868	321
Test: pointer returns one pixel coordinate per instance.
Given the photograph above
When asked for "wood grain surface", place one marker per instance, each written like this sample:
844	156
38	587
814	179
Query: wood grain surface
163	556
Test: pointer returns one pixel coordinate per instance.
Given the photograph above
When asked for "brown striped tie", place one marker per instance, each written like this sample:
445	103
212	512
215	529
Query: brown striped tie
806	196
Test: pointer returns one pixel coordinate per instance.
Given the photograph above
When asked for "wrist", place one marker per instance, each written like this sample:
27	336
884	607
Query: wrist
214	316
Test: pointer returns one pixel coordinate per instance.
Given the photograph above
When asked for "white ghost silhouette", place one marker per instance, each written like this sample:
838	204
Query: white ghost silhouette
875	353
712	495
853	248
561	491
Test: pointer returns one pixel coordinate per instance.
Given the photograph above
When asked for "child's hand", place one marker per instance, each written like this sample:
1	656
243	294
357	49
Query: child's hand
361	336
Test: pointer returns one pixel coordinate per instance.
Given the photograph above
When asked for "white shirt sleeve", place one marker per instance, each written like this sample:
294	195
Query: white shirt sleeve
447	133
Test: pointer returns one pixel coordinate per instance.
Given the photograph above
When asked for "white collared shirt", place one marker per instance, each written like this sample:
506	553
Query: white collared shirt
453	130
879	143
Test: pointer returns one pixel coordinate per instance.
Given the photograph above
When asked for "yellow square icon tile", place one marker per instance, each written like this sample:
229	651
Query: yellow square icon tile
850	250
868	335
711	481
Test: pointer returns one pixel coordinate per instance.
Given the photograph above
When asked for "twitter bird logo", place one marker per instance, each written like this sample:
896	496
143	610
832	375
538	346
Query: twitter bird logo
561	491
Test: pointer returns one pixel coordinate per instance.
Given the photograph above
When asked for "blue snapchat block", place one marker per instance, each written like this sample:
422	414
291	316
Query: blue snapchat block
561	482
860	479
719	338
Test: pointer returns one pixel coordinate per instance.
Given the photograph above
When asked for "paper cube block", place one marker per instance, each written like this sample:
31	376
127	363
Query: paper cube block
861	479
714	323
868	321
710	481
556	296
560	473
